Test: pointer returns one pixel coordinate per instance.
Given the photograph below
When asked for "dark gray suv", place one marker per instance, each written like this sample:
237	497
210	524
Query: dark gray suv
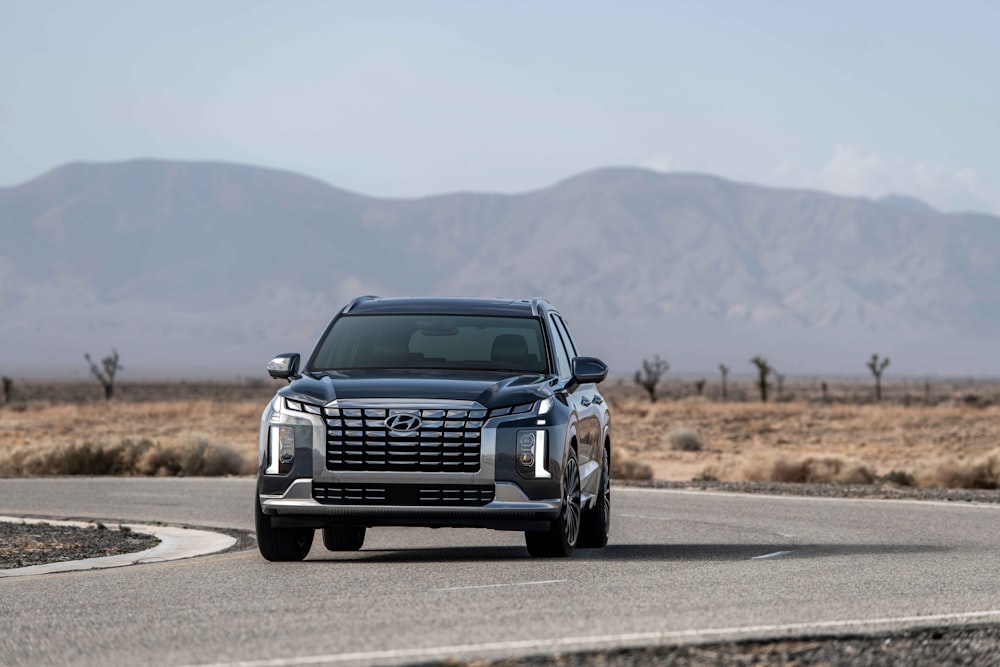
436	412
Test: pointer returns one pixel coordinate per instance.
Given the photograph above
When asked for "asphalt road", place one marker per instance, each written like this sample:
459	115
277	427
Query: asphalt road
681	567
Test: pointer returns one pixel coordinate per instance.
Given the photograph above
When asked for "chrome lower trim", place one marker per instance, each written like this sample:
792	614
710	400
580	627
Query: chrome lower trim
509	501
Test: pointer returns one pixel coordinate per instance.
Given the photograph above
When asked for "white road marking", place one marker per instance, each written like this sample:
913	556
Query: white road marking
518	583
553	645
154	494
776	554
817	499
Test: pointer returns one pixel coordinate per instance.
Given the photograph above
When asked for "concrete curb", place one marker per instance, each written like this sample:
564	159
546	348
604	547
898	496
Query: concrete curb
175	543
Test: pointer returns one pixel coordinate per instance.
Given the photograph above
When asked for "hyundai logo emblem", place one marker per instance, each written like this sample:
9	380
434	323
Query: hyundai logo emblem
403	423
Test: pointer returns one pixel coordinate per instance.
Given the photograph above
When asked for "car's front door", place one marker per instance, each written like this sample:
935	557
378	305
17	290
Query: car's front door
582	399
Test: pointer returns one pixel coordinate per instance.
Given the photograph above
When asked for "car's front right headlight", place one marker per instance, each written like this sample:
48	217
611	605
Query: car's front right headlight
532	454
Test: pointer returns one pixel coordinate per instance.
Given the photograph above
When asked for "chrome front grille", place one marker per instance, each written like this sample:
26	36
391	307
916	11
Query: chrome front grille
435	439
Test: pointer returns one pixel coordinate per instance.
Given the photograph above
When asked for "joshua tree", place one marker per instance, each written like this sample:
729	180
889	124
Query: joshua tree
107	377
724	369
8	388
699	386
877	367
826	391
651	374
763	370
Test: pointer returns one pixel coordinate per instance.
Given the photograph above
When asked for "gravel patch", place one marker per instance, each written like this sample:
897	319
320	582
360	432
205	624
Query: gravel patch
22	545
978	645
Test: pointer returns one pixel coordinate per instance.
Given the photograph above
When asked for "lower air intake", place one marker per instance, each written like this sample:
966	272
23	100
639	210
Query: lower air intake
404	495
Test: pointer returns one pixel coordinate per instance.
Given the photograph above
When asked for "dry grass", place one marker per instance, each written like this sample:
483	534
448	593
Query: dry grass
685	439
623	466
809	470
125	458
155	438
949	444
980	473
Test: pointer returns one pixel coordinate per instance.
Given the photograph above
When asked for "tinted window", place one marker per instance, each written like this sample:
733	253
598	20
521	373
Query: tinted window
564	330
562	357
433	341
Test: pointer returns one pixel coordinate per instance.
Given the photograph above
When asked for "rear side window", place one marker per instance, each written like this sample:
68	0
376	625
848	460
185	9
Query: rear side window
433	342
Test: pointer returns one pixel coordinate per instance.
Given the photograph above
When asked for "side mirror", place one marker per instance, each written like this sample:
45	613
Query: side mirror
589	370
284	366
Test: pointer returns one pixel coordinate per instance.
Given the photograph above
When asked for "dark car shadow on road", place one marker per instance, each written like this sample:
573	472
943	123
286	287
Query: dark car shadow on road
631	552
426	555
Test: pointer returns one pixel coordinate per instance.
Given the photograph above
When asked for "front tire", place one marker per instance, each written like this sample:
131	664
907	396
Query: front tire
281	544
344	538
596	524
559	541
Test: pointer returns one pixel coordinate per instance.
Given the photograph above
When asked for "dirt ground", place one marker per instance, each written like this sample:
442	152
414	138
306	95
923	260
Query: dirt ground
739	437
921	425
908	430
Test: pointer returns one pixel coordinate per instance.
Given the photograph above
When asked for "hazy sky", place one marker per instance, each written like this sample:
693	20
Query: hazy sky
414	98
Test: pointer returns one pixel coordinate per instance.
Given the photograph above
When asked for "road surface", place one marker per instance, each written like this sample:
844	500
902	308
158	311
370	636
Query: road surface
681	566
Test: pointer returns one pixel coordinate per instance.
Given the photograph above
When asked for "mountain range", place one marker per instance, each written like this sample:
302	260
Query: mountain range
192	268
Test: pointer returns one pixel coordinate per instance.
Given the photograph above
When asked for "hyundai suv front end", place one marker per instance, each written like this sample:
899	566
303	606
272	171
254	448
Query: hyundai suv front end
436	412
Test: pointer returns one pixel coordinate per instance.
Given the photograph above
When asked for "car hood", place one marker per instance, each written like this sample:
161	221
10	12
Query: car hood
492	390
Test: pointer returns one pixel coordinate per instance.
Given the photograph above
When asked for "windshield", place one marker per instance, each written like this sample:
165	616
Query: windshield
448	342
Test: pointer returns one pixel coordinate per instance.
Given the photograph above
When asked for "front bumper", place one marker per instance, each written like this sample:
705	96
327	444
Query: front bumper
310	494
510	509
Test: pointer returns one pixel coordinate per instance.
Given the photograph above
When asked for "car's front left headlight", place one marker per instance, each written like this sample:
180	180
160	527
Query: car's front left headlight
289	425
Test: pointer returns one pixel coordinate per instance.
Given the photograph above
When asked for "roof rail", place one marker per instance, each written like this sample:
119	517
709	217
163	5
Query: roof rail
358	299
535	301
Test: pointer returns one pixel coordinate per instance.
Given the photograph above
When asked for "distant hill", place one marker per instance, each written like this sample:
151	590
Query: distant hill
214	267
908	203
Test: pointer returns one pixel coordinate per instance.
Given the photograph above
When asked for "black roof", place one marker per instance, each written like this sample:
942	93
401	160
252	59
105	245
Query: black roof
446	306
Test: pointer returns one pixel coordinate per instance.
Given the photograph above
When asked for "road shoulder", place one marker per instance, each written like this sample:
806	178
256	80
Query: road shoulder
174	543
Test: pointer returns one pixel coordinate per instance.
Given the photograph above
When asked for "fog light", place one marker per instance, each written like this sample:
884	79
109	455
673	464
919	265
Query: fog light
282	449
531	454
526	450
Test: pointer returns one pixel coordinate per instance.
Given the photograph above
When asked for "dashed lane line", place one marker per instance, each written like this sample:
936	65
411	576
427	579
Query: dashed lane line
776	554
510	585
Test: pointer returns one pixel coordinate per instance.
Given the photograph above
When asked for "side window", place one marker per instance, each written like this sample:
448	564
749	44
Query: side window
562	358
564	330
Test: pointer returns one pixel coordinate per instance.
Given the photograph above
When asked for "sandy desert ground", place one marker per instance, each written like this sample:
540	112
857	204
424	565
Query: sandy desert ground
934	436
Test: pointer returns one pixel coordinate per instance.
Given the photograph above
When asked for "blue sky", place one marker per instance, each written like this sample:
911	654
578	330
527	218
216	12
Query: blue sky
413	98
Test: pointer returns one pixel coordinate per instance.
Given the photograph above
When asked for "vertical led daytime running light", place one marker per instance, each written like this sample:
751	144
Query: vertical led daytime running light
540	456
272	451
